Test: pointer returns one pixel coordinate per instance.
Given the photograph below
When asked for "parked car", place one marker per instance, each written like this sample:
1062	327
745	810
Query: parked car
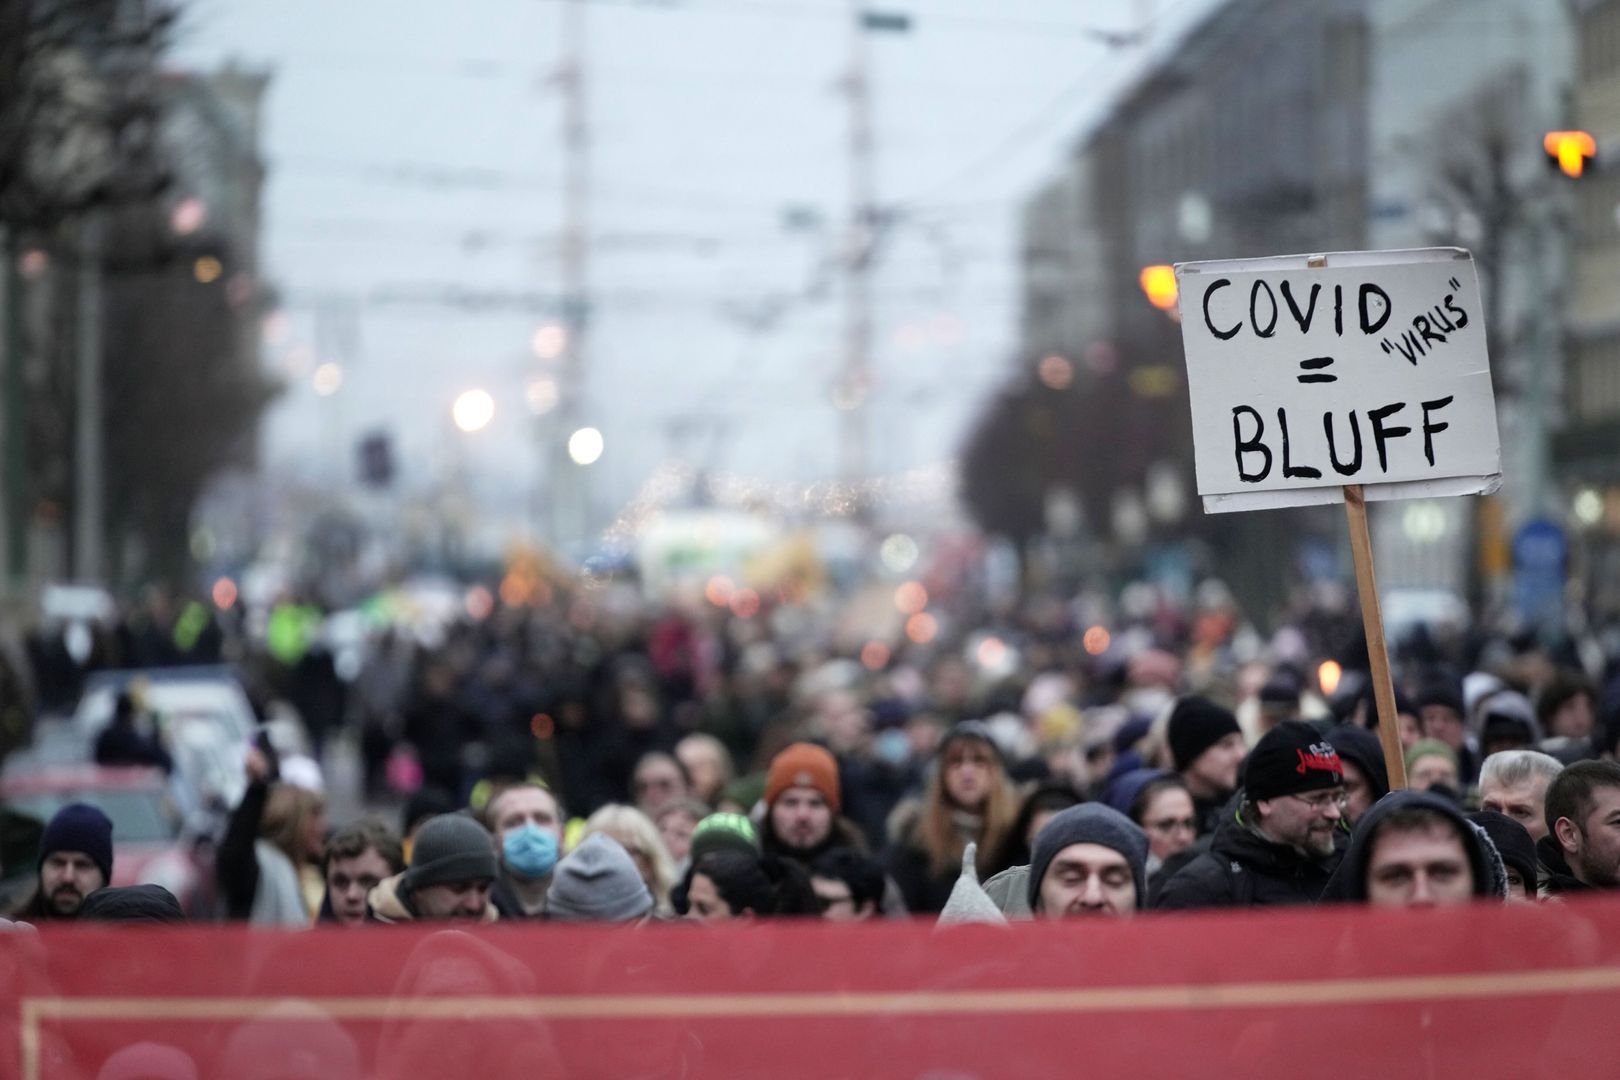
154	837
212	690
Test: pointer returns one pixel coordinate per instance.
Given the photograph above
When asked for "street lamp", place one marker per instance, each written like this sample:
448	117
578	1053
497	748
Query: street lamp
585	446
473	410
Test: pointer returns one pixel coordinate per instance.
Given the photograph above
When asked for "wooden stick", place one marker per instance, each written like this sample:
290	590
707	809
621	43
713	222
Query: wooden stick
1372	618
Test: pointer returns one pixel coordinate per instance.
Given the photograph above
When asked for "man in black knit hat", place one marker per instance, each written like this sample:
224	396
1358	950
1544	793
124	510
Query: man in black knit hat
1286	836
75	859
1207	747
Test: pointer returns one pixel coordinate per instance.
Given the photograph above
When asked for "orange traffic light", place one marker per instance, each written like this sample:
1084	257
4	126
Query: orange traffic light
1159	283
1571	151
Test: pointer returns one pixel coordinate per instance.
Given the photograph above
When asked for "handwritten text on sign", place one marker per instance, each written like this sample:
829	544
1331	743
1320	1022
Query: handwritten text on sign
1360	372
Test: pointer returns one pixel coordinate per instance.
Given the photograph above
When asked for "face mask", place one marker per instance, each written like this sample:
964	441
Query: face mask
530	851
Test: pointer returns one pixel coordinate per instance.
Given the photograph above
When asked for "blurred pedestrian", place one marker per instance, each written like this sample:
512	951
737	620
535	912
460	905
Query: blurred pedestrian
802	800
598	882
708	763
1045	801
676	822
1366	774
1517	850
452	870
527	822
968	800
848	885
358	858
1285	837
659	779
268	865
133	903
123	743
1163	808
1206	747
75	859
1416	849
1088	860
1515	782
727	886
1431	764
639	838
1442	715
1581	851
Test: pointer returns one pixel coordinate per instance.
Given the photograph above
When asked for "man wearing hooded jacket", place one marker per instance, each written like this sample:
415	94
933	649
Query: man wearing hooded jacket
1416	849
1282	841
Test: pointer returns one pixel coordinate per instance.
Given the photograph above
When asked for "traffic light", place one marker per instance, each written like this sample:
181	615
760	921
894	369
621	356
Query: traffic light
1570	152
1159	283
377	460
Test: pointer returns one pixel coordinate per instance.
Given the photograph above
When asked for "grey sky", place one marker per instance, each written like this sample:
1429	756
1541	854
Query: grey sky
415	144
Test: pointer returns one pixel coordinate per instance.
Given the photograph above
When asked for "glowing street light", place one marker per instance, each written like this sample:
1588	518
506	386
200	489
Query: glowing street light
542	395
473	410
328	379
585	446
188	216
550	341
1159	283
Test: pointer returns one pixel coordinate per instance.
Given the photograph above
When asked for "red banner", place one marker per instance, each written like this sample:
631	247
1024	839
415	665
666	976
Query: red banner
1489	991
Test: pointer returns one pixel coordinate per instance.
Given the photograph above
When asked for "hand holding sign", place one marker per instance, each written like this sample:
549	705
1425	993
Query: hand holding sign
1285	359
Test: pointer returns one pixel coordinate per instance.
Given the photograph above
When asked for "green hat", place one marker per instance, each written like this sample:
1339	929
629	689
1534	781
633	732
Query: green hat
1429	748
724	832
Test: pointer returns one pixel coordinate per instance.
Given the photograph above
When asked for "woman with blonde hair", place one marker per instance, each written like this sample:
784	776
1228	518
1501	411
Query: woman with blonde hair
636	833
968	800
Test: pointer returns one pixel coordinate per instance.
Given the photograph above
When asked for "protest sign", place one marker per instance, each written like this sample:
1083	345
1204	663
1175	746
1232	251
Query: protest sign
1310	373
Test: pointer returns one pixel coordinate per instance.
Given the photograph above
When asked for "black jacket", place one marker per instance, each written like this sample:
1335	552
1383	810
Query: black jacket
1350	880
1557	879
1241	869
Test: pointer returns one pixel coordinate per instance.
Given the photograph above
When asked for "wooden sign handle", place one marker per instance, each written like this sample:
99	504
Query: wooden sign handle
1372	618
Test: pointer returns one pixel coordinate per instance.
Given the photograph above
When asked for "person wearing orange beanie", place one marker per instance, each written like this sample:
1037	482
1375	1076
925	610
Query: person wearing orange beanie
802	801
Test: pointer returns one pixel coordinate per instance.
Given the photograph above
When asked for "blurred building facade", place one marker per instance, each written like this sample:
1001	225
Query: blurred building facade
1277	128
1247	138
1587	450
1461	95
150	297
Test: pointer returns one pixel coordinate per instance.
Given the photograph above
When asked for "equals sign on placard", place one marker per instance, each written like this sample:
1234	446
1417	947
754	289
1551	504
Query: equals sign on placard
1314	366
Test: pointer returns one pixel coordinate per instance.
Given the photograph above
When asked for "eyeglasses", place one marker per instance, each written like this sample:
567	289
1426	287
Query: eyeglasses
1323	800
1170	826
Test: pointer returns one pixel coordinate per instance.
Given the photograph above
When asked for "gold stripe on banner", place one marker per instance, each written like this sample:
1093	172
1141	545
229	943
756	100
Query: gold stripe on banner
1399	988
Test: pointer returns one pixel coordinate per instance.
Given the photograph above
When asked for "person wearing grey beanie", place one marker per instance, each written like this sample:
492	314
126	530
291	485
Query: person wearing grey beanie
598	882
1088	860
453	867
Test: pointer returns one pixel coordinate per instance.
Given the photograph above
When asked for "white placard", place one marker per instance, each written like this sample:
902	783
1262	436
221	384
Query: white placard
1369	369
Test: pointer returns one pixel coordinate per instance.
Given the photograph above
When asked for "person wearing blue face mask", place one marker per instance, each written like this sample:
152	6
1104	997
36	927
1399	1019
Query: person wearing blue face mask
528	819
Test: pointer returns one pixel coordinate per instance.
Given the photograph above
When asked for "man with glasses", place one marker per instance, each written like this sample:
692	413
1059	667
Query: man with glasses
1284	839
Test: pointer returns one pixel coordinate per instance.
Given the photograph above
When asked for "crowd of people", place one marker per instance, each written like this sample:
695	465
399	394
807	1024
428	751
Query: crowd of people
602	760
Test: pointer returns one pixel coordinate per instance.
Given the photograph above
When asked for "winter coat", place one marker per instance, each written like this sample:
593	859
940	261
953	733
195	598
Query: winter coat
1010	892
1557	879
1350	879
1243	869
925	892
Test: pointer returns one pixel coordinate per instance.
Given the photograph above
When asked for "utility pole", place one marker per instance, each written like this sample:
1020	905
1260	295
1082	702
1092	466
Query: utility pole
853	394
88	460
855	383
569	515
